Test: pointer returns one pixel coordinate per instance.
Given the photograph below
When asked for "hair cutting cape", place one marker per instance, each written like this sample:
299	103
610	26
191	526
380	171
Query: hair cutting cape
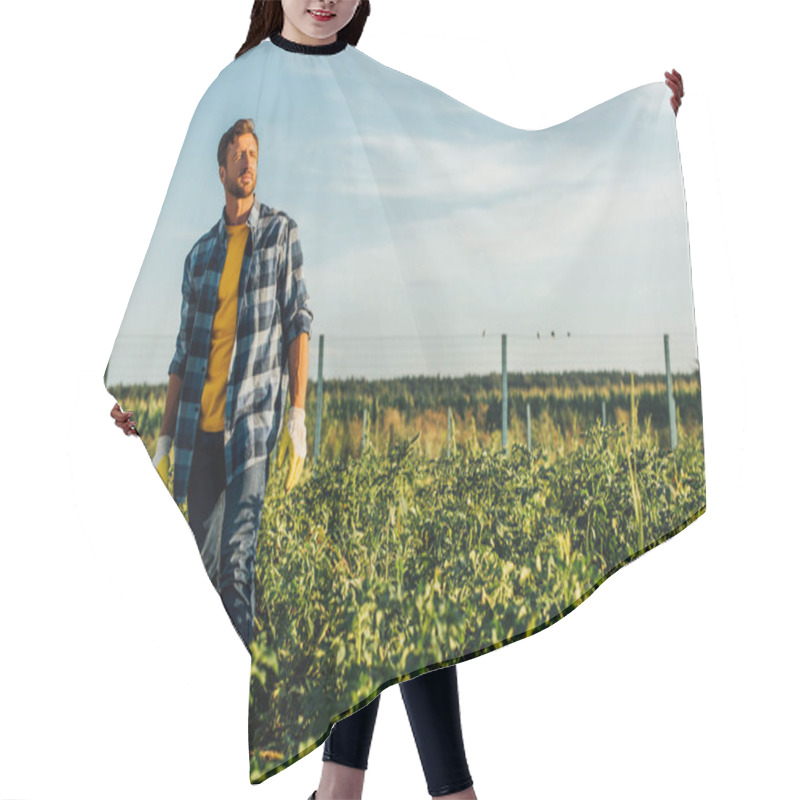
491	331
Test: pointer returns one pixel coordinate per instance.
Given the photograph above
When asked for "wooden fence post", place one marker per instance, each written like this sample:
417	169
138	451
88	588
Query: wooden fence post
505	397
318	424
528	406
673	424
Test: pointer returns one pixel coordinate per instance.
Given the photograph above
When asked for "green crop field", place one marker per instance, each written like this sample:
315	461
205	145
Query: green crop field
390	558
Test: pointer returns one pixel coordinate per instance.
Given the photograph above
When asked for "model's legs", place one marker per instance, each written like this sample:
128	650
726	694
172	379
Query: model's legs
351	737
205	499
346	753
431	701
244	502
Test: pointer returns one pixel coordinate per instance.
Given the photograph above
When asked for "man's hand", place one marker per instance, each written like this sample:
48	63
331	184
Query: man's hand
675	82
124	420
293	442
161	458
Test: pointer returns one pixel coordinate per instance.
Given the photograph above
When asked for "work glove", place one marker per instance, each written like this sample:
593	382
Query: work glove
293	442
161	458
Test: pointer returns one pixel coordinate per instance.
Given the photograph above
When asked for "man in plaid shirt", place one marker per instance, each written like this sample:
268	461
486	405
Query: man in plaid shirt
244	332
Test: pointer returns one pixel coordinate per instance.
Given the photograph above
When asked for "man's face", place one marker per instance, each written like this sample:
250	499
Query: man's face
241	166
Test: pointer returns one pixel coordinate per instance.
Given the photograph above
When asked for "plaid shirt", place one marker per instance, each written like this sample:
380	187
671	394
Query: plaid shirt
272	311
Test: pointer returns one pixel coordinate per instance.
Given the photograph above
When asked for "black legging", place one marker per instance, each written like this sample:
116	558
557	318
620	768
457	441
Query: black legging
431	701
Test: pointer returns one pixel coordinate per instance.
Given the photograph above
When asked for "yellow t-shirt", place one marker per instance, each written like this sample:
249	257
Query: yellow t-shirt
223	333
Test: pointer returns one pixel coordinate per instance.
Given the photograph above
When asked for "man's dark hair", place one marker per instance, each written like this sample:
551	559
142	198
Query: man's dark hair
238	128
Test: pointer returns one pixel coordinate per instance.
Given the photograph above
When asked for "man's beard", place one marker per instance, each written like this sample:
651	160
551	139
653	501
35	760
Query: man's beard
240	191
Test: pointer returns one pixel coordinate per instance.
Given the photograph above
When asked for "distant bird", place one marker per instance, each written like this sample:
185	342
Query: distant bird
553	334
568	333
537	335
484	332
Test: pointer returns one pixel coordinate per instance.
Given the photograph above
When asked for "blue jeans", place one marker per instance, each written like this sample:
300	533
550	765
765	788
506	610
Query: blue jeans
225	522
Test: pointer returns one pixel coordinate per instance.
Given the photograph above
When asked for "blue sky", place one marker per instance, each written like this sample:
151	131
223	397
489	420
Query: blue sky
428	229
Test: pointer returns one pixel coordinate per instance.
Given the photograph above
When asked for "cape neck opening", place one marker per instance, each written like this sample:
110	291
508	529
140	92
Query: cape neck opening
308	49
